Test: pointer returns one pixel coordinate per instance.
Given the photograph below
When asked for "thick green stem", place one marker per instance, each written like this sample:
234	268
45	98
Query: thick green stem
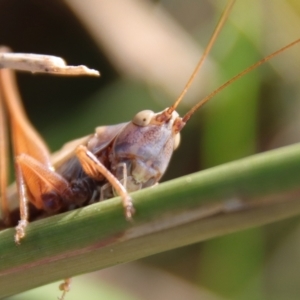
250	192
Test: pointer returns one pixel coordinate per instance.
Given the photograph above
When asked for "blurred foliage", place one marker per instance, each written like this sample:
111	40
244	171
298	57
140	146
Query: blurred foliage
258	113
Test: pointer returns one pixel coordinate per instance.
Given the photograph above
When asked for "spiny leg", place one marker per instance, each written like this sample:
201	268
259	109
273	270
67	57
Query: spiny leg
95	169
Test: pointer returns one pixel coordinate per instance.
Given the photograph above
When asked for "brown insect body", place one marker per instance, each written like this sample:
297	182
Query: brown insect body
141	148
81	189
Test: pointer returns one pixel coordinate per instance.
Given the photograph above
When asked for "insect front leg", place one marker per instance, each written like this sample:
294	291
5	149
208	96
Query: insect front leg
95	169
124	168
106	190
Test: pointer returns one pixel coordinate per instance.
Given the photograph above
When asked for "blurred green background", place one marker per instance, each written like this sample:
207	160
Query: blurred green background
257	113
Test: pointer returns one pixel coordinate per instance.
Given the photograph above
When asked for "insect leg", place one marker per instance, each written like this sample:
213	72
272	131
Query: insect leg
127	181
95	169
124	167
4	158
31	153
65	287
107	186
39	185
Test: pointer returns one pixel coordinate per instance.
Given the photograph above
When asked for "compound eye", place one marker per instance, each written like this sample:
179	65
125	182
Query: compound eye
143	118
176	140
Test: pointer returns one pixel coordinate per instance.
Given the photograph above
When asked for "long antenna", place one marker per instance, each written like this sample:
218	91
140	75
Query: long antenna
236	77
205	54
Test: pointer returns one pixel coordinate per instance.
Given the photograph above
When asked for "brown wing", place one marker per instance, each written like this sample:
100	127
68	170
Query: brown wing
103	136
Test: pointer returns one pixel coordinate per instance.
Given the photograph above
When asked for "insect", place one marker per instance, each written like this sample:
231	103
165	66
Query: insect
113	150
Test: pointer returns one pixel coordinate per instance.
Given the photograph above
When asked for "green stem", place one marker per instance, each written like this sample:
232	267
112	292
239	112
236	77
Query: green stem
250	192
